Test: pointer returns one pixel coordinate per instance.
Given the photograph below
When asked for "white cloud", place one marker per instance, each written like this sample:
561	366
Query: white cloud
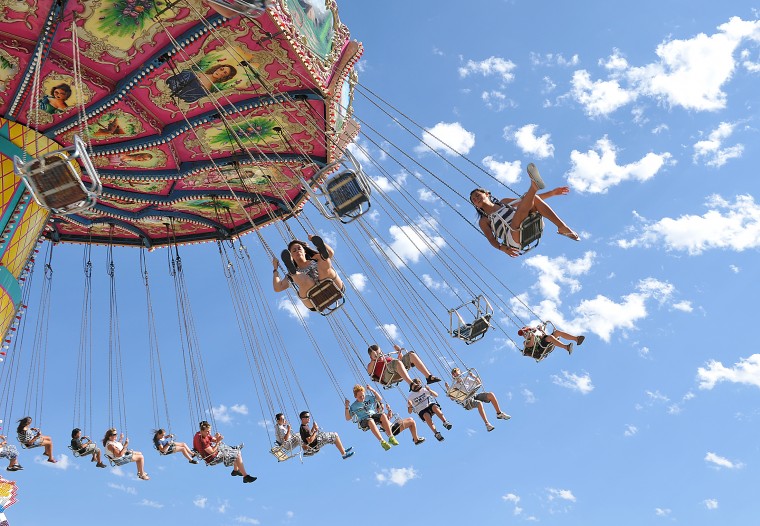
689	73
683	306
563	494
358	281
656	396
150	504
490	66
530	398
711	149
722	462
553	59
289	515
597	170
222	412
496	100
662	512
391	330
387	185
711	504
426	196
746	371
725	225
553	273
449	138
507	172
599	97
411	242
734	269
514	499
603	316
246	520
121	487
526	139
63	462
294	308
574	382
397	476
630	430
222	508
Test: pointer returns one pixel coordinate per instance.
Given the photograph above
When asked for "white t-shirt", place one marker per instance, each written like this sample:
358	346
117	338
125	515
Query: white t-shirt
421	399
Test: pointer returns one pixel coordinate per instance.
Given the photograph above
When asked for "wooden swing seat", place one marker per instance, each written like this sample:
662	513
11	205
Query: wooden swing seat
326	297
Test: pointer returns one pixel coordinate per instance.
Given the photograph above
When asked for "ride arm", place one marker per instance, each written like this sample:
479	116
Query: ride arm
348	409
279	285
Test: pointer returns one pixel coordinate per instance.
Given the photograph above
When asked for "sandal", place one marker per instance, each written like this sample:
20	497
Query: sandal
52	460
285	257
572	235
535	176
321	248
580	339
143	476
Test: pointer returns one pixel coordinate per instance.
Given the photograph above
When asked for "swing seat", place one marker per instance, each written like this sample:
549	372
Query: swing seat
537	352
326	297
54	181
472	332
251	8
76	452
347	196
530	232
25	445
460	395
281	453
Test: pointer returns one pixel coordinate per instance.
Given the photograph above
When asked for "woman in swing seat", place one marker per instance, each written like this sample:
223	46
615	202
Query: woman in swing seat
536	336
32	437
306	268
117	451
501	219
166	445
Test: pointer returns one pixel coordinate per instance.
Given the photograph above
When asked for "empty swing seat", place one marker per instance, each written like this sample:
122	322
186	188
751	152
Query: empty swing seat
54	179
474	331
347	195
326	297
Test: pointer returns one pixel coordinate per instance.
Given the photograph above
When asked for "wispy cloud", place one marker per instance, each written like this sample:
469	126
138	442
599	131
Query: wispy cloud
725	225
397	476
574	382
630	430
294	308
711	150
710	504
722	462
411	242
246	520
562	494
358	281
122	487
662	512
492	66
746	371
150	504
200	502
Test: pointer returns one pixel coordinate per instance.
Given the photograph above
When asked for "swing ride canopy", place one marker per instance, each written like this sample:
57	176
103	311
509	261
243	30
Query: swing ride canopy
199	125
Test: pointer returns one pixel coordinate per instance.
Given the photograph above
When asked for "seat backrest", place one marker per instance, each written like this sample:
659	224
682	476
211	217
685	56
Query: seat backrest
326	296
347	195
530	232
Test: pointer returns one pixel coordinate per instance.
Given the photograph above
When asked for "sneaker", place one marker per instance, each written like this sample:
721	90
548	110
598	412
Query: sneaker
580	339
386	445
13	468
348	454
393	441
570	348
236	473
349	449
438	436
432	379
321	248
248	478
535	176
503	416
419	441
285	257
193	461
489	428
447	424
100	465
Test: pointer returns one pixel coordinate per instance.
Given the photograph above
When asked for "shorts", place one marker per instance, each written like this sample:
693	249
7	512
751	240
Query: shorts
389	371
8	451
289	445
32	443
428	410
126	458
323	437
472	403
396	429
226	455
364	424
170	449
88	449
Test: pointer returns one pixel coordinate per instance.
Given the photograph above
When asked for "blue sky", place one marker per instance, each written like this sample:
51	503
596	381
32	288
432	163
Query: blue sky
649	114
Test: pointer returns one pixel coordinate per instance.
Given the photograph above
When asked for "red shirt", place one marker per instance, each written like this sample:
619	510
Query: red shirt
201	443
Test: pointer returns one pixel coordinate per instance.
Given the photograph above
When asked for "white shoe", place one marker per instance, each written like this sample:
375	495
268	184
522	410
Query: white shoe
489	428
535	176
503	416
